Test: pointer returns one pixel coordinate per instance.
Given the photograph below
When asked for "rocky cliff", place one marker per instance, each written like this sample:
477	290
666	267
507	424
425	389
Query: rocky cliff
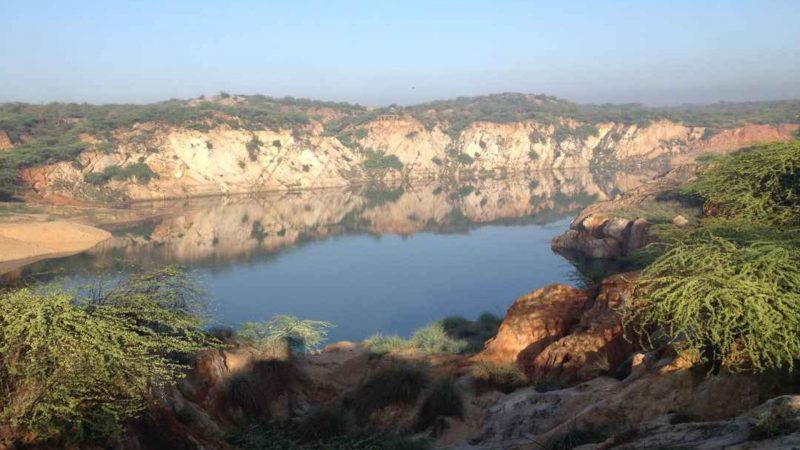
176	162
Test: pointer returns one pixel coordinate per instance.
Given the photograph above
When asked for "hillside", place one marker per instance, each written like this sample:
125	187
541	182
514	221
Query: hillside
236	144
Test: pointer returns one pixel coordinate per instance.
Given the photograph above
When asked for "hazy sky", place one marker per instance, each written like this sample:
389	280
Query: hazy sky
379	52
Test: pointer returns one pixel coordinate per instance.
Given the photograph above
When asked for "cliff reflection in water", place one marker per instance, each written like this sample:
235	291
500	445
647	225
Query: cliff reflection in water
237	229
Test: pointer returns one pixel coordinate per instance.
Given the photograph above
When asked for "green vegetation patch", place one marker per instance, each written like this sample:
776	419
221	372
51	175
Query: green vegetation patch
76	366
728	291
301	335
377	161
761	183
401	383
140	171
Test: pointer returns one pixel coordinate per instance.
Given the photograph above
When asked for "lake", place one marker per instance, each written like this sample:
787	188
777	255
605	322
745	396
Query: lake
371	259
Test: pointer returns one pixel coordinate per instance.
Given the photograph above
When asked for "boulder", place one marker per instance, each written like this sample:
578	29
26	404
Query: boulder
599	237
594	346
535	321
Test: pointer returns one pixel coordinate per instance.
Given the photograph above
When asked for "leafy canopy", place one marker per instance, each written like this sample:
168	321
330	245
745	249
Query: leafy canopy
76	365
729	290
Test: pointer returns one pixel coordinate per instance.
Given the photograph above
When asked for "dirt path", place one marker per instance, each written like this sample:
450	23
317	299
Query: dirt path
22	243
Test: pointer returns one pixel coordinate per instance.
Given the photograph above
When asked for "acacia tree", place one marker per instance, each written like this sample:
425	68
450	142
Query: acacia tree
729	290
76	366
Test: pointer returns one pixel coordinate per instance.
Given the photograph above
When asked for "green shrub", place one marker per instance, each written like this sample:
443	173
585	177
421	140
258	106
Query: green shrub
729	295
444	400
276	143
376	161
74	366
505	378
433	339
475	333
253	147
465	159
762	183
381	344
139	171
302	335
401	383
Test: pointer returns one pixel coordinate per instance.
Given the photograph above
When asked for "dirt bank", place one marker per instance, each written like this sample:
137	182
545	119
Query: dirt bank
27	242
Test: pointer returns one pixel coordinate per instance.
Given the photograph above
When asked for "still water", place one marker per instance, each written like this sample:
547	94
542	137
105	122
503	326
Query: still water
369	260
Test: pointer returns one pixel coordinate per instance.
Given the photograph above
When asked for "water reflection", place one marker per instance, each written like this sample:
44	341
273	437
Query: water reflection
388	259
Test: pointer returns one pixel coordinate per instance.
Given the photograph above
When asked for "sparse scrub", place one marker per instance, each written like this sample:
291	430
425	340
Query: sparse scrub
505	378
139	171
302	335
433	339
444	400
402	383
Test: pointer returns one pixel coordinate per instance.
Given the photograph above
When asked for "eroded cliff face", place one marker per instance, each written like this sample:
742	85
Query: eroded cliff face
224	160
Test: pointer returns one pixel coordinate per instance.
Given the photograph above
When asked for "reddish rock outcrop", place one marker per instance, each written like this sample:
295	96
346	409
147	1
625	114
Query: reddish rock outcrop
565	335
535	321
594	346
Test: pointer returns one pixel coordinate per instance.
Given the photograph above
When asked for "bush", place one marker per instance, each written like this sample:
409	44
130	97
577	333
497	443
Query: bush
77	366
505	378
253	147
731	295
433	339
380	344
376	161
762	184
444	400
401	383
253	390
272	437
475	333
139	171
302	335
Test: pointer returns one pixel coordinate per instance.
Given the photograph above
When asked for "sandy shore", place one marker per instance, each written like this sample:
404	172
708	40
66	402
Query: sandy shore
26	242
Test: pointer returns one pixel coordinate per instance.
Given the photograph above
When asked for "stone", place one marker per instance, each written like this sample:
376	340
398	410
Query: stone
534	321
597	344
680	221
617	228
639	235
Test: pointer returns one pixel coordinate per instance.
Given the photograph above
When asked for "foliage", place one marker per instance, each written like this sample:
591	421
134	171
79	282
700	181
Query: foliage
475	333
302	335
253	147
377	161
381	344
379	196
505	378
139	171
75	365
761	183
434	339
444	400
734	299
255	389
400	383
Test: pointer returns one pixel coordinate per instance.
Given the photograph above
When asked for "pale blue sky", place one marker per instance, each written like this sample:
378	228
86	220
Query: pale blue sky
379	52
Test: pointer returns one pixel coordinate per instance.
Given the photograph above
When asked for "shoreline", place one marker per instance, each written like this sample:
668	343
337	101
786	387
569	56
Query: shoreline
24	243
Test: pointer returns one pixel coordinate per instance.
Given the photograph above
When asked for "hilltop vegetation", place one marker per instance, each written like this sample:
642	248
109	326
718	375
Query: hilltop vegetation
54	132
